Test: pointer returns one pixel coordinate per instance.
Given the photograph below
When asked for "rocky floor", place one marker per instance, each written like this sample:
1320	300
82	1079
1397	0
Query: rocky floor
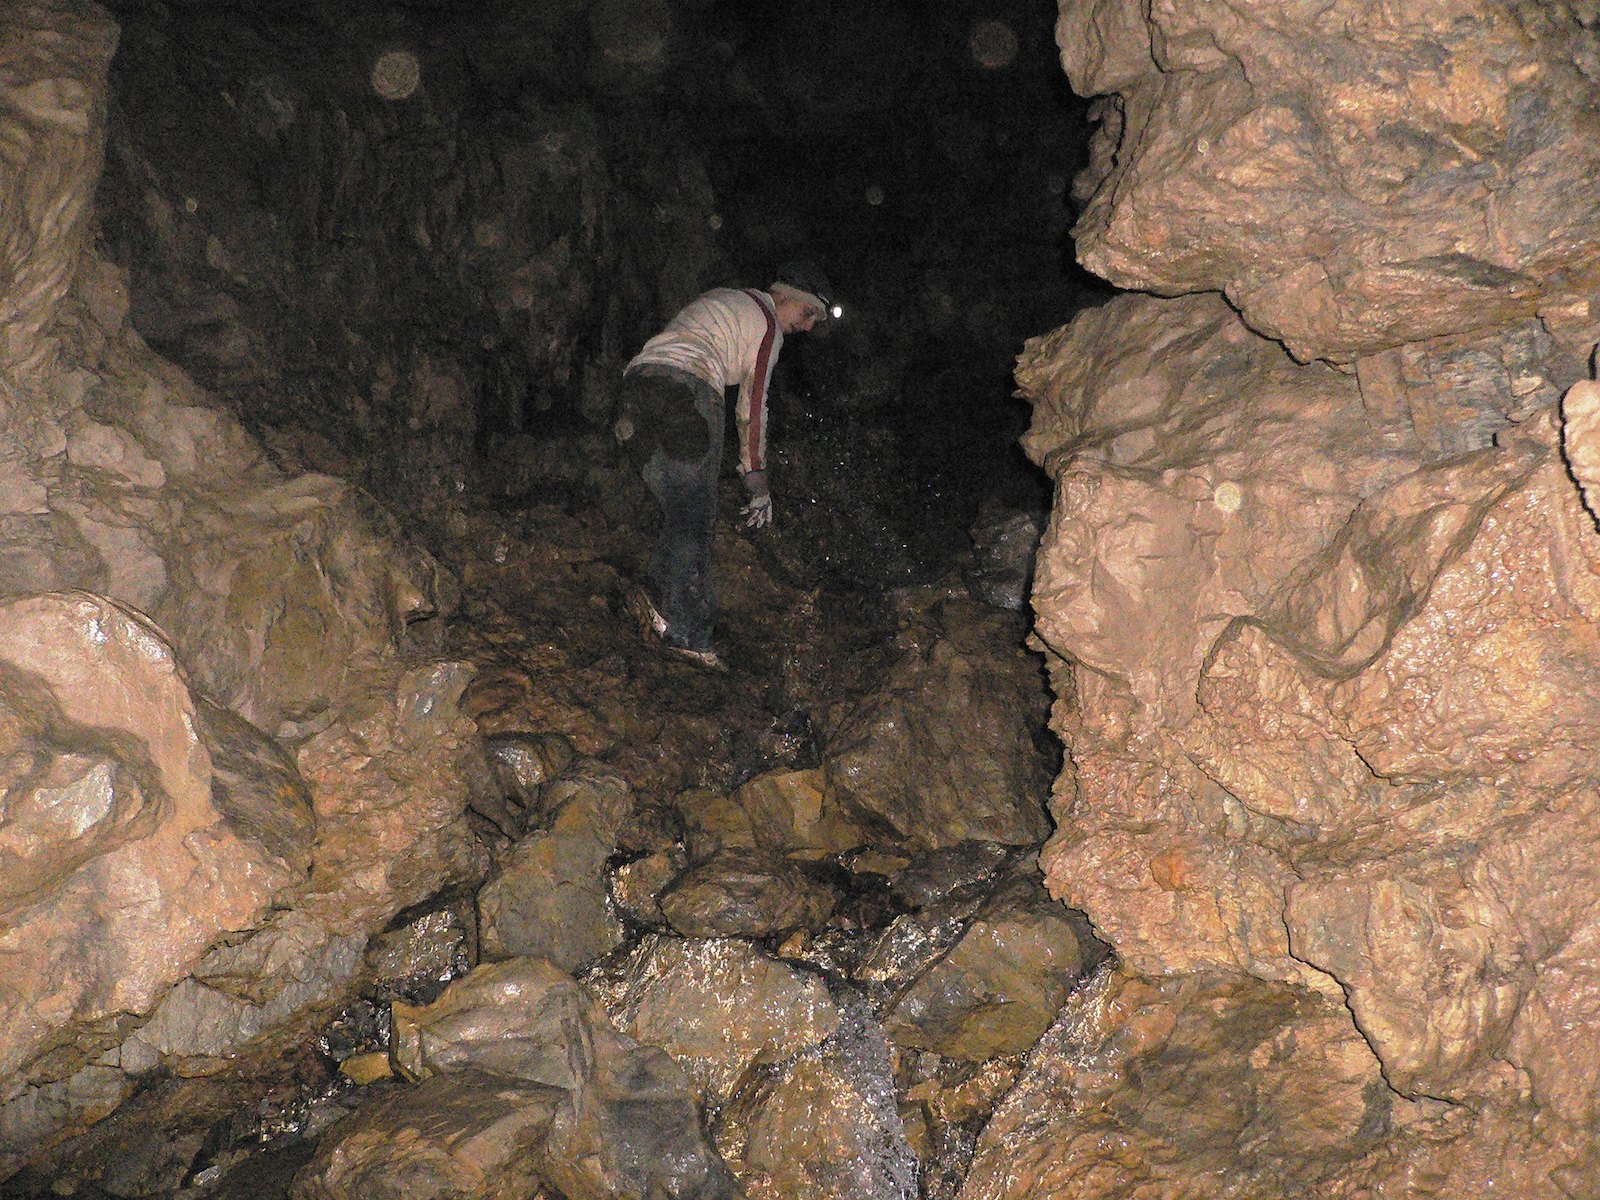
811	881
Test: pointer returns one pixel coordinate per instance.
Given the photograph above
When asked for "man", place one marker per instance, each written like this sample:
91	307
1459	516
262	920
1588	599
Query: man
671	420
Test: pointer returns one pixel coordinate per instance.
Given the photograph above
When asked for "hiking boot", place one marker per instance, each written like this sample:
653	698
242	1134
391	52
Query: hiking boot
652	625
706	660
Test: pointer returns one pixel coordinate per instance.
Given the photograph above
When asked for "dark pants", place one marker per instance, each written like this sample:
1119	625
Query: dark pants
675	421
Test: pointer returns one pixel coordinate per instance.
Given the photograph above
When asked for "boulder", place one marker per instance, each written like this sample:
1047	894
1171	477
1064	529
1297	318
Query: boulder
997	989
720	1007
551	899
825	1126
1141	1088
625	1122
1352	181
121	869
745	893
466	1134
942	751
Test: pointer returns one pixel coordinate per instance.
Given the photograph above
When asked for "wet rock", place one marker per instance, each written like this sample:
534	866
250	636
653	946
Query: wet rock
551	899
720	1007
937	875
745	893
625	1121
525	763
256	786
290	967
469	1133
996	987
637	885
423	954
826	1125
941	752
1142	1088
788	813
1580	440
392	779
791	813
1004	543
120	870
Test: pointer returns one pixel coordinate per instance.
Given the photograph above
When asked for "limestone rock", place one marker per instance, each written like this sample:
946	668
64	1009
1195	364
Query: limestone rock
625	1121
994	991
551	900
1004	545
1580	440
637	885
1353	180
720	1007
745	893
1143	1088
469	1133
825	1126
788	813
121	870
941	753
424	953
237	993
392	779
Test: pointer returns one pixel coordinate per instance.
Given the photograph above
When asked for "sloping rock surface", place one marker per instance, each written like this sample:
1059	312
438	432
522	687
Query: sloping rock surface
1324	640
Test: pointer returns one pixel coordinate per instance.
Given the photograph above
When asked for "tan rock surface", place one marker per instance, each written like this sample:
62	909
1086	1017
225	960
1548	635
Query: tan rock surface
625	1123
940	753
550	900
1355	177
720	1007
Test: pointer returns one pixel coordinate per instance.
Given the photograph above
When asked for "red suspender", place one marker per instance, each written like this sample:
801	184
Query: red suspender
758	392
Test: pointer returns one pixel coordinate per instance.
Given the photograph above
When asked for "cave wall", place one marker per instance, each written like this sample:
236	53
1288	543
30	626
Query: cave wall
401	244
218	757
1319	594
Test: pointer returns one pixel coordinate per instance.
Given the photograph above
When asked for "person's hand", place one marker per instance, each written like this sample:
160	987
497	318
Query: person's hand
758	513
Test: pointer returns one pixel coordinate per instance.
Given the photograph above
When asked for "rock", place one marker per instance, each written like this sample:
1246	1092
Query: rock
551	900
291	967
1580	440
941	753
786	813
525	763
1324	641
1142	1088
825	1125
745	893
791	813
424	954
1335	192
720	1007
120	869
625	1122
998	987
469	1133
636	885
938	875
256	786
392	779
362	1069
1004	544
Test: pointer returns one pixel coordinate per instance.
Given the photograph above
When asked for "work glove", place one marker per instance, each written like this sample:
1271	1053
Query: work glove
758	513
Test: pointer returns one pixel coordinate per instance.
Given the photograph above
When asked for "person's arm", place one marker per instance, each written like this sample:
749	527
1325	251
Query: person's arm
750	413
751	416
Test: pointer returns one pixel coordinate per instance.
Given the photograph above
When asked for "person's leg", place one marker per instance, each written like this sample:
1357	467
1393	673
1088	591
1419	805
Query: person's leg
686	490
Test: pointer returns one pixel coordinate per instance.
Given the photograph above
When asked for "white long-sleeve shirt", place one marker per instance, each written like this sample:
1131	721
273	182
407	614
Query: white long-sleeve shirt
727	336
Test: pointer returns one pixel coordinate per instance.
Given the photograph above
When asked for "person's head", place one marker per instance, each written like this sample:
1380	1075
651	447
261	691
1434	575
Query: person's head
801	298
